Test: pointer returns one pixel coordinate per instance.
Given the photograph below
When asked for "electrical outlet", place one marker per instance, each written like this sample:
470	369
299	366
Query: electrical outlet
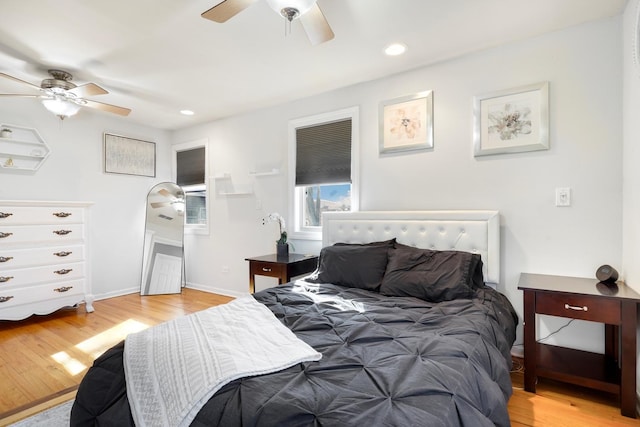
563	196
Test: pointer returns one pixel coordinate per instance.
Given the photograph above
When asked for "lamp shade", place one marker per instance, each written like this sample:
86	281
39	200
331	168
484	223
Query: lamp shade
302	6
60	107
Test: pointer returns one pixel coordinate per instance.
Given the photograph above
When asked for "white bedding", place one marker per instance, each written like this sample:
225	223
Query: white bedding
172	369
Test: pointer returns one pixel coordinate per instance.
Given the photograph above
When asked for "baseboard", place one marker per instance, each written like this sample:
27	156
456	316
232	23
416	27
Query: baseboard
214	290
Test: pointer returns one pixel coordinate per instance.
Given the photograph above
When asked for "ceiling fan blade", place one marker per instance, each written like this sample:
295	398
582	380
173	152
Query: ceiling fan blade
316	26
20	95
7	76
227	9
89	89
160	204
107	107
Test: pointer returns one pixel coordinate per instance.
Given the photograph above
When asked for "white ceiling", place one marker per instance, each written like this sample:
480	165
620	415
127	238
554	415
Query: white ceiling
158	57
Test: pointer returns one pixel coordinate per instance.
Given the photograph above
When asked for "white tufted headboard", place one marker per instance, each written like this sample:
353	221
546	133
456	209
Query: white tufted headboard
471	231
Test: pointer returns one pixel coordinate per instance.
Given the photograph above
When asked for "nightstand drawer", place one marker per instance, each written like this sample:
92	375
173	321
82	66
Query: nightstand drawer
581	307
269	269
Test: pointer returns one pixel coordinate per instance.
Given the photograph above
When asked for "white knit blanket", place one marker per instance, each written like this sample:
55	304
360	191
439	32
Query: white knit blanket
172	369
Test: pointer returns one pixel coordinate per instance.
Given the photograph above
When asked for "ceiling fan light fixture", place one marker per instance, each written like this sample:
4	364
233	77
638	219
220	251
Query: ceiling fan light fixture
60	107
291	9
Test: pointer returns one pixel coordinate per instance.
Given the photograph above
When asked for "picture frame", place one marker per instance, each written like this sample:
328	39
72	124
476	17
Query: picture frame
129	156
406	123
512	121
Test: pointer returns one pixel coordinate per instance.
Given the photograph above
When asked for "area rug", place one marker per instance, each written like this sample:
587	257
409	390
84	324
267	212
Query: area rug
58	416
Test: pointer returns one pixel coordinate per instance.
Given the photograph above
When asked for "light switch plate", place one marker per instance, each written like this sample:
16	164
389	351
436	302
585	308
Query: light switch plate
563	196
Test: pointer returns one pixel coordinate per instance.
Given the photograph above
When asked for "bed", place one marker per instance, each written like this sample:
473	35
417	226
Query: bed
403	315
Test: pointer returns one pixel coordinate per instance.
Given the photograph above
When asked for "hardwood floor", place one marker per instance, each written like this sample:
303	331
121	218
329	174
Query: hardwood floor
44	358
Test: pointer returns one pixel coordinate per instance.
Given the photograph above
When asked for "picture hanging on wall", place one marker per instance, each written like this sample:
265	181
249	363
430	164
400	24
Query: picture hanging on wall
406	123
129	156
512	121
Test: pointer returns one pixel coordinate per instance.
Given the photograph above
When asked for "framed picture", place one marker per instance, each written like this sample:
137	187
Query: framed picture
129	156
406	123
512	121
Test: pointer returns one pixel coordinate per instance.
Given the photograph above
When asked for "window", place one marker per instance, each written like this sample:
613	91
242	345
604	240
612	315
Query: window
323	153
190	167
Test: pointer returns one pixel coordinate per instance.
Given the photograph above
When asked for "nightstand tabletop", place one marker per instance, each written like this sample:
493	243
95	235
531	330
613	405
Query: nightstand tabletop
576	285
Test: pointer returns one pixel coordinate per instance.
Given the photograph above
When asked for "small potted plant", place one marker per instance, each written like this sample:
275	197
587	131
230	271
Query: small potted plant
6	133
282	246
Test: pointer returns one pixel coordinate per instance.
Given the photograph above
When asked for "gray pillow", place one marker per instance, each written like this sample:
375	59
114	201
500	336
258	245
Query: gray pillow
431	275
353	265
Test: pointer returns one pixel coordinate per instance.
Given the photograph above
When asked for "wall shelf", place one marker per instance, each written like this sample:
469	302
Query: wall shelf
272	172
24	150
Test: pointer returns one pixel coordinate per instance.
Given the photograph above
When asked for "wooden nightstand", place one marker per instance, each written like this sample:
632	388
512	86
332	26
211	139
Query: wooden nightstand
585	299
284	268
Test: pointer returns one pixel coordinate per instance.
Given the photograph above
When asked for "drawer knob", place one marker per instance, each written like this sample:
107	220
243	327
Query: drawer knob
62	253
4	279
5	258
62	232
266	269
5	299
62	214
576	308
63	289
3	235
64	271
5	215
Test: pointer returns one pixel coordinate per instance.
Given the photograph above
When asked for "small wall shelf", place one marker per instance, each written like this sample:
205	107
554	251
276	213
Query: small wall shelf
267	173
225	188
23	150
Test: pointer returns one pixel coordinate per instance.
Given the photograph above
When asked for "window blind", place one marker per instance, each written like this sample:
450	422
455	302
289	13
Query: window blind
323	153
190	167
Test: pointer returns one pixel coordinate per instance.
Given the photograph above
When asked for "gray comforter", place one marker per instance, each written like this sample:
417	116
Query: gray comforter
387	361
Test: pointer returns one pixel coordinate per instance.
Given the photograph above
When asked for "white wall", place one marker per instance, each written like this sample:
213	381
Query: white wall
583	67
631	155
74	171
631	150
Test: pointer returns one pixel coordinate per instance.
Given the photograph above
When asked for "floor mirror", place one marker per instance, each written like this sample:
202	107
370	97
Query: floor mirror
163	256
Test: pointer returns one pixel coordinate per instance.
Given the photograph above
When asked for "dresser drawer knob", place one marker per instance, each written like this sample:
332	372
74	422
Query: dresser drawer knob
62	232
4	279
5	299
5	215
64	271
5	258
63	289
576	308
62	253
3	235
266	269
62	214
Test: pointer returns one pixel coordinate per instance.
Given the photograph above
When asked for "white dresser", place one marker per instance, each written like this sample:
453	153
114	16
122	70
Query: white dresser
44	258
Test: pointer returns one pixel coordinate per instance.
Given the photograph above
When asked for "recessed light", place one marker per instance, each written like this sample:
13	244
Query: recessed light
395	49
186	112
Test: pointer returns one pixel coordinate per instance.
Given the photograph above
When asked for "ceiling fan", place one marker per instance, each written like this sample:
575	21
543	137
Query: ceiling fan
313	20
176	201
64	98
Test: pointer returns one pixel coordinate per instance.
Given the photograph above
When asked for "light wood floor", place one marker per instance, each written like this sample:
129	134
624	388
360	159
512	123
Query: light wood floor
43	359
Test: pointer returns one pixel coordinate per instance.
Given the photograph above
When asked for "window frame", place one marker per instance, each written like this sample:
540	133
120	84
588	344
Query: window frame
296	195
191	145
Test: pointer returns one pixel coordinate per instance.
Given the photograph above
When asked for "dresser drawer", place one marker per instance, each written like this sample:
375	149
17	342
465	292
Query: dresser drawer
583	307
49	234
52	273
31	294
23	215
17	258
